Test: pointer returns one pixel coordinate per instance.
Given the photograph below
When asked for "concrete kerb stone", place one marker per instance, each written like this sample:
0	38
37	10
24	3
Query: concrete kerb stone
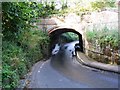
82	58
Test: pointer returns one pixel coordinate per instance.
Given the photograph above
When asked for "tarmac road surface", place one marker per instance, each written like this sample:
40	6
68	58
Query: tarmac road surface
63	71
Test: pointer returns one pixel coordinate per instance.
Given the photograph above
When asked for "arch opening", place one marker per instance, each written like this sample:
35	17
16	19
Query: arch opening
68	37
56	33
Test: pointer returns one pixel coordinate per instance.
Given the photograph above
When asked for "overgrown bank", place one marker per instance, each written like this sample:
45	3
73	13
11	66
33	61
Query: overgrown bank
103	45
22	43
18	59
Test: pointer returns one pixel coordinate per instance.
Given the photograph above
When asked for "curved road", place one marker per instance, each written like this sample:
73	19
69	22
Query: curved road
63	71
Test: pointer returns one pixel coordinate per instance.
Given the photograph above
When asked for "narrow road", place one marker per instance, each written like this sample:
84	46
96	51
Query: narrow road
63	71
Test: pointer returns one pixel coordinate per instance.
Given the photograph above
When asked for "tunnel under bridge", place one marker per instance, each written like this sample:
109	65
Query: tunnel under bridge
55	33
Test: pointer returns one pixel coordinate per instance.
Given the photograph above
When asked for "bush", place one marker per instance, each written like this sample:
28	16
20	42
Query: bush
104	36
17	60
102	39
10	78
34	43
22	47
99	5
12	58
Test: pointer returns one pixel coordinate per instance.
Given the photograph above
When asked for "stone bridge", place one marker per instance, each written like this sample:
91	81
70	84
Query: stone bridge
56	26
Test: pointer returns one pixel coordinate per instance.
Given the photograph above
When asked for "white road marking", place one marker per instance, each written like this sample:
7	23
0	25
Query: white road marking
42	66
38	71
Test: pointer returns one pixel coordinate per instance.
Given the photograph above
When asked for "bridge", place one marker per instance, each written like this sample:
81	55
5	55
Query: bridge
79	69
57	26
56	32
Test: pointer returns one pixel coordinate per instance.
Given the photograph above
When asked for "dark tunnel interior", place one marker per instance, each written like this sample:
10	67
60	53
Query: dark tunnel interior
54	37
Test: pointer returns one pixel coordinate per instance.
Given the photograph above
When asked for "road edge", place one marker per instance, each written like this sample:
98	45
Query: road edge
98	65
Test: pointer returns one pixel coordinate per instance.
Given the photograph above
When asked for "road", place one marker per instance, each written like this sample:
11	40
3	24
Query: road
63	71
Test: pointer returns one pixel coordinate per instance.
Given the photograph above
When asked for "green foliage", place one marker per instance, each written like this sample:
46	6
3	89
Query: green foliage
19	16
72	36
99	39
33	43
21	58
85	7
99	5
64	5
90	35
69	37
47	9
105	37
13	65
23	45
10	78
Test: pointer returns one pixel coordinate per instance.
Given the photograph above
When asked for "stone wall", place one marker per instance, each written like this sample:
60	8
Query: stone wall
100	20
95	19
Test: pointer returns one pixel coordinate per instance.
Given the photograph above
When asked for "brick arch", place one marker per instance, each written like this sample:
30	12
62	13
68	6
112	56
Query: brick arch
57	31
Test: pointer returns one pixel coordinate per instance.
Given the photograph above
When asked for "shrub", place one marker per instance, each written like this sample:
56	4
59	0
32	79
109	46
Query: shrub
99	5
34	43
22	47
12	58
10	78
17	60
103	38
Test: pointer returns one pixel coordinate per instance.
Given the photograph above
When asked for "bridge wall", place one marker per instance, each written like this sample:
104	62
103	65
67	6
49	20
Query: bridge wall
50	24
